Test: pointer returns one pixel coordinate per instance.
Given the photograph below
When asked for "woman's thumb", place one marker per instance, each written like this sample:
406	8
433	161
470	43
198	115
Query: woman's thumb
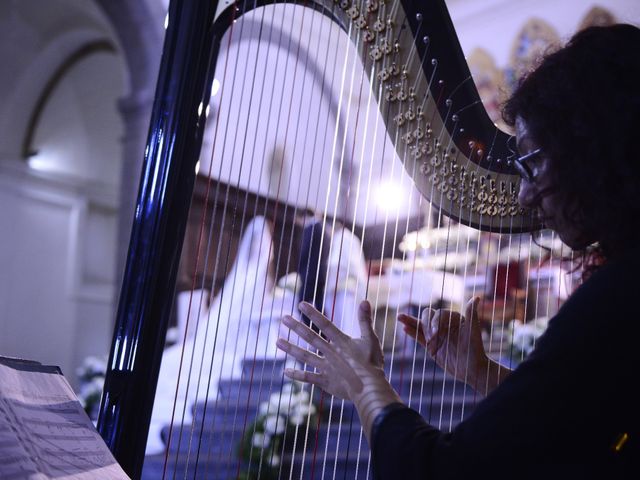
366	319
471	312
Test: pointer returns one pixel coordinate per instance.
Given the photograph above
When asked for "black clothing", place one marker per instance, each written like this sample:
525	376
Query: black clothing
558	415
312	266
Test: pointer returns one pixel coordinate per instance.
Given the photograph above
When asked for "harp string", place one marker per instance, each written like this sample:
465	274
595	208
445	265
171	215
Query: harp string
410	57
261	453
295	207
218	256
282	402
433	381
548	306
281	399
353	306
344	216
246	344
446	254
223	291
241	303
464	278
528	286
253	357
428	228
323	223
307	425
186	328
452	245
464	282
370	97
445	269
402	271
336	279
505	297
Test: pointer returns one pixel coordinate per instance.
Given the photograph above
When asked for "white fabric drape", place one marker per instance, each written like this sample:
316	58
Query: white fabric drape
242	321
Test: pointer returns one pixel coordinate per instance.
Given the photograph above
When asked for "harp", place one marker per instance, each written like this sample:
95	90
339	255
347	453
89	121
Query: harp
413	73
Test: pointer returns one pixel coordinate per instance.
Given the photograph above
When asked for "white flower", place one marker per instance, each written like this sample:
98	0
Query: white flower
297	419
263	409
304	409
274	460
97	384
274	424
92	388
301	397
260	440
91	367
279	404
288	390
275	402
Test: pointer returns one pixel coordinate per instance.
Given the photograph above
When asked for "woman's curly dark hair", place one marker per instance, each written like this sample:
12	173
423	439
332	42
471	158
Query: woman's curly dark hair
582	106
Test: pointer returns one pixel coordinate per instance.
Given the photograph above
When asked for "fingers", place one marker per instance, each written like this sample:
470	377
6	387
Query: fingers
305	376
300	354
412	327
427	315
435	329
471	311
366	321
304	332
408	320
430	322
332	332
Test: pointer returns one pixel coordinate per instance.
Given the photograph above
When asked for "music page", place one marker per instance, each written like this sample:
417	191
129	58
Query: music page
44	431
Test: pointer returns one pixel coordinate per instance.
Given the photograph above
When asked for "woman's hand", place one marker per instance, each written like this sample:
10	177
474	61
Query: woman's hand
455	343
346	367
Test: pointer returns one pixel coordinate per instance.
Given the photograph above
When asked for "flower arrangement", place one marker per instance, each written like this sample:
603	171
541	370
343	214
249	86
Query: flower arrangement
275	424
91	374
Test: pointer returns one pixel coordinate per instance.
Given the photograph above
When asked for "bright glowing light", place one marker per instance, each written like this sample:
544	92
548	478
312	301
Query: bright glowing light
200	109
206	112
44	163
197	167
39	164
215	87
166	21
390	197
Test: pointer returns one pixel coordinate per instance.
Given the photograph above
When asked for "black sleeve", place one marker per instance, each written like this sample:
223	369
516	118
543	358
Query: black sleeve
401	443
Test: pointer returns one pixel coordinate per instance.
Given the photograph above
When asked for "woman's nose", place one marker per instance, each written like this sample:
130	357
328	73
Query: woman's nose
527	195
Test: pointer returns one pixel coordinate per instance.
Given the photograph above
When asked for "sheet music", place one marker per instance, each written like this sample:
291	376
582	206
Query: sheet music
44	431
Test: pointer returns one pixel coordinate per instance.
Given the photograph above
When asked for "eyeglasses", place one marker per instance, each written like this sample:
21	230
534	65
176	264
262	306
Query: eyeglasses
523	168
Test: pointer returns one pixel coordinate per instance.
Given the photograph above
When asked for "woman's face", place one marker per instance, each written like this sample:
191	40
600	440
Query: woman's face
540	194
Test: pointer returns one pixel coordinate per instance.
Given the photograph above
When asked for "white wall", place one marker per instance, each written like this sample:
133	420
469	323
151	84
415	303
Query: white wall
56	280
58	209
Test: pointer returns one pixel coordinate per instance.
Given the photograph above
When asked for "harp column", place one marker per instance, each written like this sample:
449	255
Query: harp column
168	174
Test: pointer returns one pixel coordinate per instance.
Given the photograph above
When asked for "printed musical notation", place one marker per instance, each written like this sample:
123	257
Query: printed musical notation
44	432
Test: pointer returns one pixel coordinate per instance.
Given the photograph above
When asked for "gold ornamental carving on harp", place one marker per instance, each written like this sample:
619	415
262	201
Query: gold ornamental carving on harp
447	177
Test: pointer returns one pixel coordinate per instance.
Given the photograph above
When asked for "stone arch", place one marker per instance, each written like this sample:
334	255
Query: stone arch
139	29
